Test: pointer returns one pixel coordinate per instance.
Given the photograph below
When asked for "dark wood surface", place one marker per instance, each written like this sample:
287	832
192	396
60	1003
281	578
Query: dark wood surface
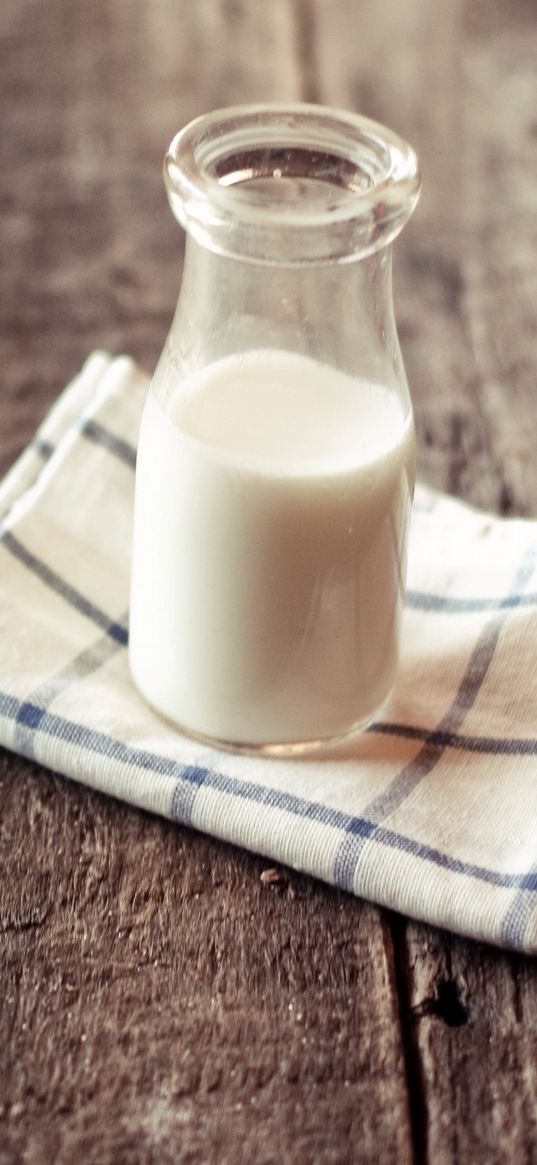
159	1001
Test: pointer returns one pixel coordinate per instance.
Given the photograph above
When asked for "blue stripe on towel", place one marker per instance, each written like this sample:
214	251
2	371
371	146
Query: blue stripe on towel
97	433
87	740
443	604
58	584
493	745
350	853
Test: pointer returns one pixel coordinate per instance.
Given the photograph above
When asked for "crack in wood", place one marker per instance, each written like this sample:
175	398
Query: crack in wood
395	933
446	1004
19	925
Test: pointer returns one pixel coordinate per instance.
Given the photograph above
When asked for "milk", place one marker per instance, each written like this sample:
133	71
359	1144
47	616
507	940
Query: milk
272	504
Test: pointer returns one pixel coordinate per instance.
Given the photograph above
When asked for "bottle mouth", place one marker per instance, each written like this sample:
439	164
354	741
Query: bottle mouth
292	184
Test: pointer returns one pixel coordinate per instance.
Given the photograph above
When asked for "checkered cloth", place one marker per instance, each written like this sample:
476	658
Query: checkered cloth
432	812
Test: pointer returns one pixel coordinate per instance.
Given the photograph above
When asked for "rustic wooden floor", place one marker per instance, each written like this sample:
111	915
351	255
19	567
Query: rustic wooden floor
159	1002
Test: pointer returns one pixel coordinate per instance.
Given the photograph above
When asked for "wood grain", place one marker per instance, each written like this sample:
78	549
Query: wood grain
164	1003
160	1002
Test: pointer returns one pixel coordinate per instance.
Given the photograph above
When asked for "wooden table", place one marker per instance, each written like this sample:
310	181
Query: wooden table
159	1002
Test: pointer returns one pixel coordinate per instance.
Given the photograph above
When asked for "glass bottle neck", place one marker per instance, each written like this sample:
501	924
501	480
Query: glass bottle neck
337	314
291	184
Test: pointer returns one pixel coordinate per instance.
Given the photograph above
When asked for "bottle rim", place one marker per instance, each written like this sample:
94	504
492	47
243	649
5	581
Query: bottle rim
291	183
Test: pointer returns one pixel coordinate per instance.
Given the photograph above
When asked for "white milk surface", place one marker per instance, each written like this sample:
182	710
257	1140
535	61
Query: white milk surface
272	504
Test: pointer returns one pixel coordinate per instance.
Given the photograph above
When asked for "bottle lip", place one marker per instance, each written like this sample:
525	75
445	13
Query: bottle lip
291	183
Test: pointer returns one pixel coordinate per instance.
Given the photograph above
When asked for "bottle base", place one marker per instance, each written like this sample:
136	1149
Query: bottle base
286	750
330	743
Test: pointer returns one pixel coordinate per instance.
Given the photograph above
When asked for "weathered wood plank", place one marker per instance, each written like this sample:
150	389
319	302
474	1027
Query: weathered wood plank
91	97
472	1019
162	1002
501	272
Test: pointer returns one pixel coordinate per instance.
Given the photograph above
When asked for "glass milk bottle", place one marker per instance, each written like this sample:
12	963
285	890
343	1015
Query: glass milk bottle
276	459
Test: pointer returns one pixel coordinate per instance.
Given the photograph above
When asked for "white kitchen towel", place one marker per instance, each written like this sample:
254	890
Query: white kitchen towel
432	812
